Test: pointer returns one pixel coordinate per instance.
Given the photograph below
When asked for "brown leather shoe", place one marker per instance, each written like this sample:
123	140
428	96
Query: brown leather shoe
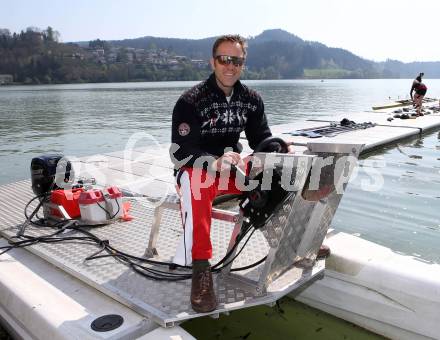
203	298
323	252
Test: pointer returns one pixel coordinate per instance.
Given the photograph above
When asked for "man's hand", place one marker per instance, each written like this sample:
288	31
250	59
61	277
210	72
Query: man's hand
224	162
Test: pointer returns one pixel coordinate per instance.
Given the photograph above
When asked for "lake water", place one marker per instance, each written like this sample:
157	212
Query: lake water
87	119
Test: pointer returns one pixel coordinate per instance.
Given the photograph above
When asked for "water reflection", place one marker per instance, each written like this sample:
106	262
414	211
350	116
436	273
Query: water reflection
402	214
87	119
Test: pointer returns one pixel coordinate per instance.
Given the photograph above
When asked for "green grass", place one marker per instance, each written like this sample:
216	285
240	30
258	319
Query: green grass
288	320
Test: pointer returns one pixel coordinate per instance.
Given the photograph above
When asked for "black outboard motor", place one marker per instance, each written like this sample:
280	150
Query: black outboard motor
44	171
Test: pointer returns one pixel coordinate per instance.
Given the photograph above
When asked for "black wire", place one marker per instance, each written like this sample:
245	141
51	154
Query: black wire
161	275
238	253
127	259
158	274
107	212
29	203
249	266
117	253
243	232
28	240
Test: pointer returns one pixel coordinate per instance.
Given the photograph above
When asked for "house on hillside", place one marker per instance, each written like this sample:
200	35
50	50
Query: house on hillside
199	63
6	79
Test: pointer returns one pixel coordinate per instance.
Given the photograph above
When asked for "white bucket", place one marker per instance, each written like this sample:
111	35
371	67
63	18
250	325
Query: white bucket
100	207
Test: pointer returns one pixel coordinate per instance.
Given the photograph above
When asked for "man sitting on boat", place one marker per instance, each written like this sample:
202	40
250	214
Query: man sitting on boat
420	91
207	121
206	126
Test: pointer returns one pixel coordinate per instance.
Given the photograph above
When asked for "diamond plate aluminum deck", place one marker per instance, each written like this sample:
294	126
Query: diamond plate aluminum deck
164	302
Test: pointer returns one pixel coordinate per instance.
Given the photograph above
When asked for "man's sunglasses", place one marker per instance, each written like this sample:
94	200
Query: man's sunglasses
227	60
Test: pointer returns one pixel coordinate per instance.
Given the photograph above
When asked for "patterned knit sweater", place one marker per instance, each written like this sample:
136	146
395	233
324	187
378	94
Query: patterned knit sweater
204	123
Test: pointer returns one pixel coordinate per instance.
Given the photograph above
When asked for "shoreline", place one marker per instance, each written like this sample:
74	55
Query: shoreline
197	80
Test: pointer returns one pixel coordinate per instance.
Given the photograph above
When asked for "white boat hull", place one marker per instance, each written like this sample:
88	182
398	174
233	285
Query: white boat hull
370	285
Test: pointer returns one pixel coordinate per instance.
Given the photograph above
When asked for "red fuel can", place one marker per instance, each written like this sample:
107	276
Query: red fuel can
68	199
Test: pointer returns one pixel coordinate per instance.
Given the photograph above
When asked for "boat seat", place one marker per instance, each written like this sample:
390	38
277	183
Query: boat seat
172	201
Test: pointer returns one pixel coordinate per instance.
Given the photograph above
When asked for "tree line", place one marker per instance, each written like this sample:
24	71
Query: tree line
36	56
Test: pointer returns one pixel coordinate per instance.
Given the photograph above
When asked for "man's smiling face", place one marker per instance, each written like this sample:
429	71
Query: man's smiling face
228	73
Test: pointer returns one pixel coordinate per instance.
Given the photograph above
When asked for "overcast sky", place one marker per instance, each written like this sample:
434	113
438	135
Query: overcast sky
373	29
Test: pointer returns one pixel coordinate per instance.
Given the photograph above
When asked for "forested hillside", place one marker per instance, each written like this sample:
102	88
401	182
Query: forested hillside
36	56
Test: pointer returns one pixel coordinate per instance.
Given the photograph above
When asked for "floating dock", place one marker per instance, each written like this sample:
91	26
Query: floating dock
290	251
401	103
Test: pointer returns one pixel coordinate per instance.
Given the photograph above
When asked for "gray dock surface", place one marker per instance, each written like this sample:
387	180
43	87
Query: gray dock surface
146	173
